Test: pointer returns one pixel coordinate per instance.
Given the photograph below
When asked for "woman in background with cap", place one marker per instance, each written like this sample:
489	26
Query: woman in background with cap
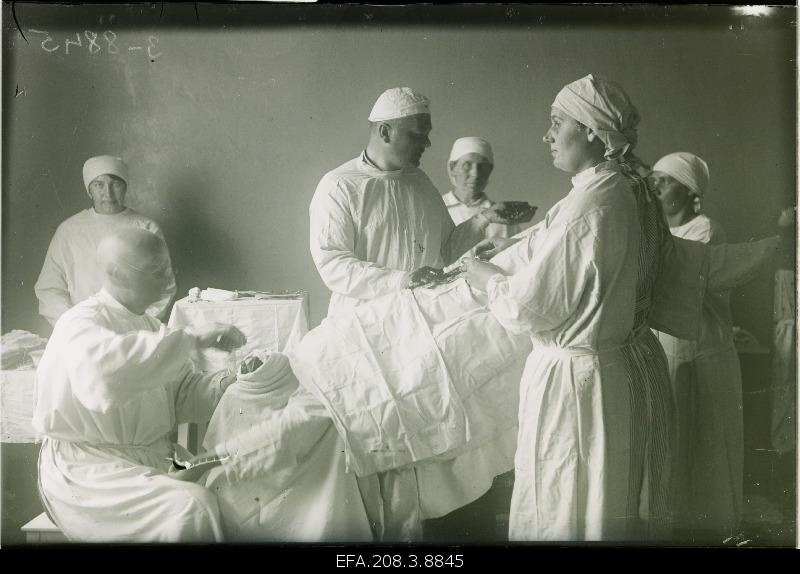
70	273
705	374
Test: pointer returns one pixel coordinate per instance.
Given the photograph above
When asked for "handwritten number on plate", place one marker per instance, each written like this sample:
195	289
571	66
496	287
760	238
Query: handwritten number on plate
67	42
111	37
94	47
46	40
151	44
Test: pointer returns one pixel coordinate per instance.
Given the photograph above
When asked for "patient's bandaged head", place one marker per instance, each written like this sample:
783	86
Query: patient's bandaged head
264	383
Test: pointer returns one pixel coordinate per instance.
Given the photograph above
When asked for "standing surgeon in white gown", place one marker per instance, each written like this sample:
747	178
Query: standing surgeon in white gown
379	225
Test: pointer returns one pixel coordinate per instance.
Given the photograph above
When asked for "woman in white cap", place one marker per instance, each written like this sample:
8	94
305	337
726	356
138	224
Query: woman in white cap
70	273
469	166
705	374
593	448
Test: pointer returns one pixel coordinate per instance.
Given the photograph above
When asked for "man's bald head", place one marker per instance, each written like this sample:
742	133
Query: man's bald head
134	263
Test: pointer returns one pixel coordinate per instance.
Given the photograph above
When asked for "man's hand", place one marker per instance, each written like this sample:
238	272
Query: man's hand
488	248
477	272
510	212
420	277
218	336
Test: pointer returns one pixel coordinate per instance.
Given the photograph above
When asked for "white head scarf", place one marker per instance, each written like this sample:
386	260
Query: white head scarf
463	146
688	169
605	107
397	103
102	165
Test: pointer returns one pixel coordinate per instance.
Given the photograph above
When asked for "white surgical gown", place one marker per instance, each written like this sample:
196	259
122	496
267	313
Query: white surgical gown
70	272
706	380
110	387
592	451
369	227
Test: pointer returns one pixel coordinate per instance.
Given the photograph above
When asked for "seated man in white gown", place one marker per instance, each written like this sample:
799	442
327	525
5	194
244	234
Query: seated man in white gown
110	387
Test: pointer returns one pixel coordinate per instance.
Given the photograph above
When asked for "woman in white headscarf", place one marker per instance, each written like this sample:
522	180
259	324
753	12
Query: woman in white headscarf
705	374
593	448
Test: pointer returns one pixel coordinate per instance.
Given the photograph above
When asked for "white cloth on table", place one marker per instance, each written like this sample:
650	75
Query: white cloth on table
369	227
312	501
707	385
109	389
413	375
70	272
423	381
592	448
16	406
268	324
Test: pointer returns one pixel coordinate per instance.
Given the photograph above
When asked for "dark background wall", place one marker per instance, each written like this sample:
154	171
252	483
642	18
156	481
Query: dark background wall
238	112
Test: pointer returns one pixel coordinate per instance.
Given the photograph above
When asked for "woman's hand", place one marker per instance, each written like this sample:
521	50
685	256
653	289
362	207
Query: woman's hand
477	272
488	248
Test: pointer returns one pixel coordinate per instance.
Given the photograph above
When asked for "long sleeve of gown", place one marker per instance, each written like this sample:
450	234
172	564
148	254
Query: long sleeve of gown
690	268
280	442
459	238
198	395
107	369
734	264
333	238
51	288
547	291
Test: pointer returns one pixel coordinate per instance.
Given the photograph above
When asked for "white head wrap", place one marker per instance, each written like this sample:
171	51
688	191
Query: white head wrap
605	107
463	146
688	169
399	103
102	165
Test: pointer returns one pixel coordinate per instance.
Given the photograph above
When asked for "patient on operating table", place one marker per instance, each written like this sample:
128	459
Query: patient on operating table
425	378
309	499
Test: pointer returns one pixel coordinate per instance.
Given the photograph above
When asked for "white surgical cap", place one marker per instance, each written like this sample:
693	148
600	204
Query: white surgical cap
399	103
603	106
102	165
463	146
687	168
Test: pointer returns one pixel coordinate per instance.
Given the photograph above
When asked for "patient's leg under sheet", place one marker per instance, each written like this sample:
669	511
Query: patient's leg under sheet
286	480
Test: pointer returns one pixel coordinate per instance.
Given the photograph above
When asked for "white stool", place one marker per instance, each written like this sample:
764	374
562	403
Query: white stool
41	530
